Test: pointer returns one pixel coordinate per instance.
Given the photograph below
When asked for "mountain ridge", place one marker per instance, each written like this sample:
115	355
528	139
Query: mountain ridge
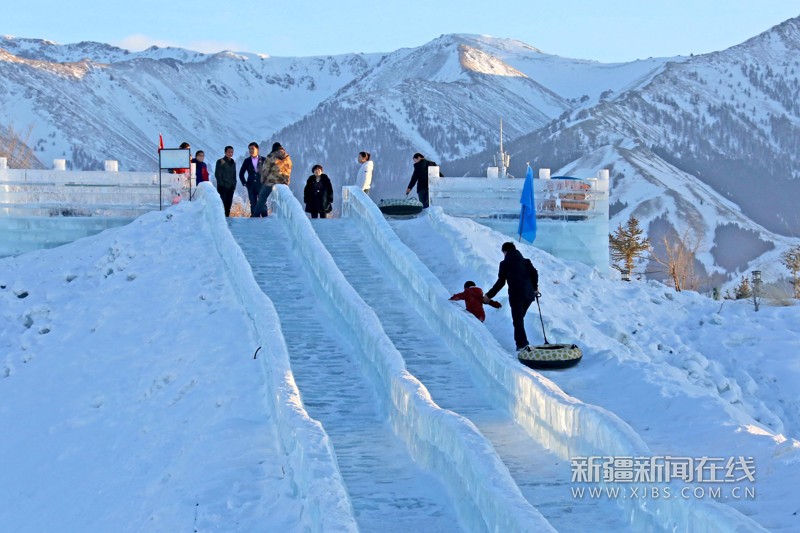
710	116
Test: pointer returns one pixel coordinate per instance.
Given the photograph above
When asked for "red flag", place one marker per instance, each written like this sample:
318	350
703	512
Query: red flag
160	142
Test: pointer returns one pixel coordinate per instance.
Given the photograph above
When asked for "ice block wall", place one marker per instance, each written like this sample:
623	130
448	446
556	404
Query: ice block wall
571	214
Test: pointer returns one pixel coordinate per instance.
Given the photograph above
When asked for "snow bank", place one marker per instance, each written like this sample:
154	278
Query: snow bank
481	487
315	471
561	423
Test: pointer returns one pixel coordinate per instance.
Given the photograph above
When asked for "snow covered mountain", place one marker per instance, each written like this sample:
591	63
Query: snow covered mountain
723	127
90	102
445	99
709	142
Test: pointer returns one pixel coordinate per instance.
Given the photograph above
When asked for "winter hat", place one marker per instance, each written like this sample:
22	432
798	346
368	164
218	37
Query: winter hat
276	147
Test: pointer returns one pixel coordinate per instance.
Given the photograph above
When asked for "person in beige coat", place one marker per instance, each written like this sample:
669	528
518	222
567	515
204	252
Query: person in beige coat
277	169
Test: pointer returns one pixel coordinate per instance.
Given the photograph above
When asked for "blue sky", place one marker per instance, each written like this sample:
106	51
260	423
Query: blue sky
616	30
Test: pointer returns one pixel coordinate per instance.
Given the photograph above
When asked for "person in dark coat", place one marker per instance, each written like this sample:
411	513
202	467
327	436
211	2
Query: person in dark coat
225	173
523	288
473	298
318	193
251	168
420	178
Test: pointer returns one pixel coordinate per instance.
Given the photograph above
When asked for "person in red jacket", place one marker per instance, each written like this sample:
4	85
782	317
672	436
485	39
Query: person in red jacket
473	297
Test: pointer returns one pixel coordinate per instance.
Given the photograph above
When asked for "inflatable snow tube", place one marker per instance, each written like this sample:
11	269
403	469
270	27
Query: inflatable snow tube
400	206
548	356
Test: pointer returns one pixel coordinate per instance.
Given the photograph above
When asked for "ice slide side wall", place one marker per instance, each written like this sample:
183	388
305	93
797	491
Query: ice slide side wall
443	441
564	424
313	462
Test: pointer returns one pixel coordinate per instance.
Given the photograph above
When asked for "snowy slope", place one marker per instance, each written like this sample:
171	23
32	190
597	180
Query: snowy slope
131	400
572	79
130	381
691	376
667	200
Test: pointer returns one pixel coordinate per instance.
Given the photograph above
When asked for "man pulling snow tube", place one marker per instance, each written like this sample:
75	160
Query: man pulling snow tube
550	356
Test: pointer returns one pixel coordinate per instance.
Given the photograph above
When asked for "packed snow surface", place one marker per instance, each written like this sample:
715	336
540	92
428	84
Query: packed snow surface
131	399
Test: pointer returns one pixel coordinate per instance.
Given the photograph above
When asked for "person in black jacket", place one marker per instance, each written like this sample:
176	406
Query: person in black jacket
523	288
225	173
420	178
252	167
318	193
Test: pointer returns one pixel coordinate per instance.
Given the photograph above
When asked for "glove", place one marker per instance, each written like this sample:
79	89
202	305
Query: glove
538	294
496	305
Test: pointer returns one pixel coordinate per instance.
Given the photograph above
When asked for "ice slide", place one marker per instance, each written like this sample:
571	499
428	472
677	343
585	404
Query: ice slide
383	481
562	424
436	438
406	463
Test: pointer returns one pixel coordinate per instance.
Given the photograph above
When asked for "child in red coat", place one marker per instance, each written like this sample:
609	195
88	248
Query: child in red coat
473	297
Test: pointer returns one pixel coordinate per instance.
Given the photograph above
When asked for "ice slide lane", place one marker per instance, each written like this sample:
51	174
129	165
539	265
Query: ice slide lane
388	490
543	477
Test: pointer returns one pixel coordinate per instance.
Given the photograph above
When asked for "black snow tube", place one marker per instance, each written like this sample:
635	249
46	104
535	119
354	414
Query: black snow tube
400	206
550	356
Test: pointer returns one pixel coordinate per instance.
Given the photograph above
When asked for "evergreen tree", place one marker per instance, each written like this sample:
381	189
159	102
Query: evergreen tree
628	244
743	291
791	260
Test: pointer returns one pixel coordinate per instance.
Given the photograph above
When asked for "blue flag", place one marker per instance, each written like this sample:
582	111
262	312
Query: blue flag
527	215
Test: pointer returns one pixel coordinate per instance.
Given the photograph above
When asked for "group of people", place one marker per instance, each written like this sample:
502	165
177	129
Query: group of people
259	174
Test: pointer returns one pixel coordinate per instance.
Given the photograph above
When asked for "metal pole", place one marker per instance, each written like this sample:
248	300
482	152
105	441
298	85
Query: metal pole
542	320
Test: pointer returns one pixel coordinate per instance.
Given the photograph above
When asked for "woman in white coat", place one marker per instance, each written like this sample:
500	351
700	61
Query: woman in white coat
364	179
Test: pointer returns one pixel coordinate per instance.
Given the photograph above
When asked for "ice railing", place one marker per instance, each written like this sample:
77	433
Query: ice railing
314	470
561	423
554	198
481	486
34	192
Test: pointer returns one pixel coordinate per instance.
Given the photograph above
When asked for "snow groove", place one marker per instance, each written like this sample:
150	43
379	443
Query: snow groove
480	485
384	483
561	423
315	472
